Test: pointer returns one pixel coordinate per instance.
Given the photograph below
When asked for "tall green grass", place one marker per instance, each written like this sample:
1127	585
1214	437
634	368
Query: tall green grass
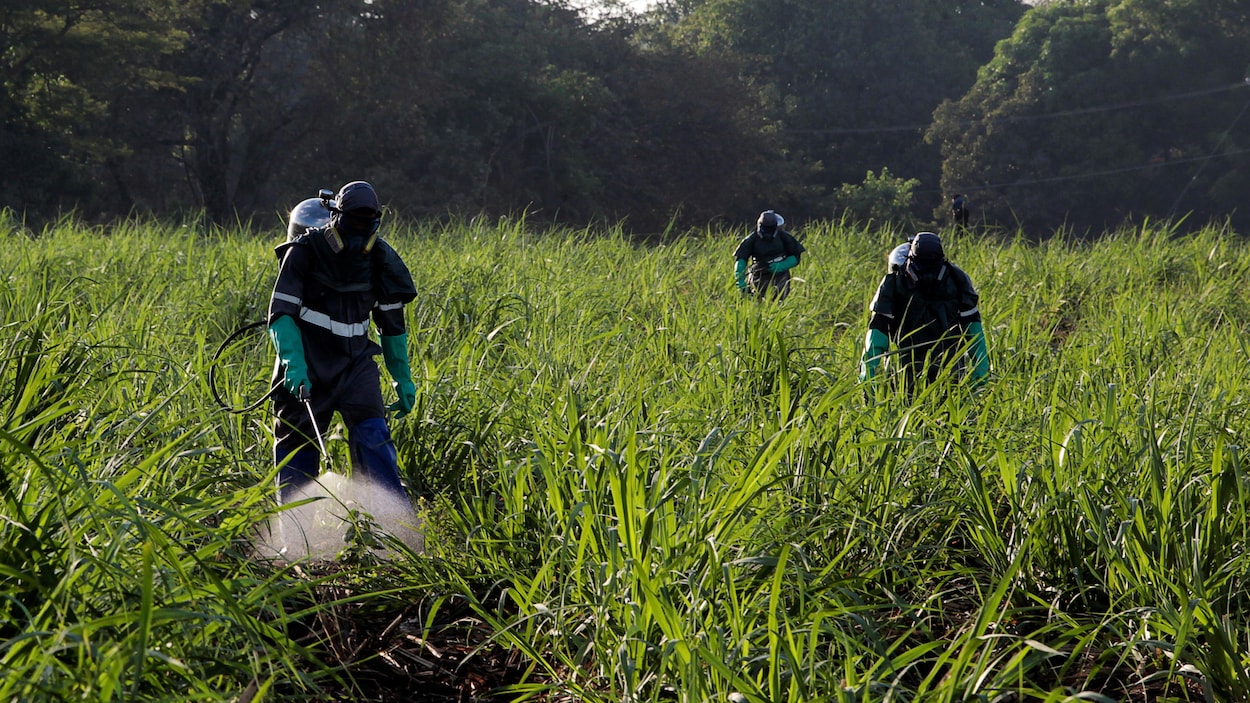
650	487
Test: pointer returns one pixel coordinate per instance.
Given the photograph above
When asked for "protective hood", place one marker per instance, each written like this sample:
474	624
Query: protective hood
356	219
925	257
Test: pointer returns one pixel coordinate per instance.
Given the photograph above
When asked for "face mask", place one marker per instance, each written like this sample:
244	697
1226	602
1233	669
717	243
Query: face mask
924	270
356	232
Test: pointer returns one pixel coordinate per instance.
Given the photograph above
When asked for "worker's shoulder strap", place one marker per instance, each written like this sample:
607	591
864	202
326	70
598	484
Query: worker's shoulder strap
324	242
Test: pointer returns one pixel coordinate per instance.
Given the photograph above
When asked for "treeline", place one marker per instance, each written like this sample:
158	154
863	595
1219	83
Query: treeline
1070	113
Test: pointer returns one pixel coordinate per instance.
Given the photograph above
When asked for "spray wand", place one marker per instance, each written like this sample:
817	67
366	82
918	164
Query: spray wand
305	398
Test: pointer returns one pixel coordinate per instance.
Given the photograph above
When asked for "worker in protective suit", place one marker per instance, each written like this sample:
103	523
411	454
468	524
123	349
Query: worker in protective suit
928	308
763	260
335	276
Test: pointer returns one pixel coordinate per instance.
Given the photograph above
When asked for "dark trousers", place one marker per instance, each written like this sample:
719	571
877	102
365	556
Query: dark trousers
357	396
770	285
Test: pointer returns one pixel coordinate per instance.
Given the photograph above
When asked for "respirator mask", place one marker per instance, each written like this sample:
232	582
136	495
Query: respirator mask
356	218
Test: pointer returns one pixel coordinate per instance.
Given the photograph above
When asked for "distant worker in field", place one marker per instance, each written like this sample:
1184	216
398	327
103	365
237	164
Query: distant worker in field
928	308
769	252
959	211
335	275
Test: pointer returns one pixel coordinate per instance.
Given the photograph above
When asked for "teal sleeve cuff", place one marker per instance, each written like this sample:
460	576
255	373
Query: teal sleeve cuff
980	352
785	264
395	355
287	339
740	272
876	344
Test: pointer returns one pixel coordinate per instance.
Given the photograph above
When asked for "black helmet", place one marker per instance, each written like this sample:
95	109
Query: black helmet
769	223
357	216
925	256
357	195
313	212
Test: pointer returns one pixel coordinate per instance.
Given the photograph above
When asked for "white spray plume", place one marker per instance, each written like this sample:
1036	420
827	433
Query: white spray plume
319	530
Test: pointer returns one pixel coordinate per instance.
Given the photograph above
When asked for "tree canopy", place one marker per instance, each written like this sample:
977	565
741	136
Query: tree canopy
65	66
1077	113
852	84
1096	111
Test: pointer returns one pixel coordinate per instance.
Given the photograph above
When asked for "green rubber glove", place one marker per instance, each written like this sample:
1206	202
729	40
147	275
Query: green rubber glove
876	344
395	354
289	344
740	273
980	354
784	265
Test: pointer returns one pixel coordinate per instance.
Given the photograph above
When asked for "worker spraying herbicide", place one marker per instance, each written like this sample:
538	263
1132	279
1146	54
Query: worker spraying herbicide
335	277
928	308
763	260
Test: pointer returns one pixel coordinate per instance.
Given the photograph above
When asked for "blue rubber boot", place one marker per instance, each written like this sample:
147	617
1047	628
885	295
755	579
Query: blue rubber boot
373	454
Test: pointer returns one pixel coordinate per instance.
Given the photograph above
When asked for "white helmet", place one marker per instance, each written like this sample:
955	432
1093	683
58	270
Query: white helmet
897	258
769	223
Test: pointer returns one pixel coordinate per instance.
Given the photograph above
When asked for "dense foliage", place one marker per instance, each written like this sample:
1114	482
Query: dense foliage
698	111
1092	112
638	484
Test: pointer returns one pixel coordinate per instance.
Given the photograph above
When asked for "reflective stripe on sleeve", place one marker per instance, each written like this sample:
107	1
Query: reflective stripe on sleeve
969	313
390	306
287	298
341	329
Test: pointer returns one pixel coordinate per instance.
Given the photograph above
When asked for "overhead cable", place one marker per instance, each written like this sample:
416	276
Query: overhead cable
1095	174
1110	107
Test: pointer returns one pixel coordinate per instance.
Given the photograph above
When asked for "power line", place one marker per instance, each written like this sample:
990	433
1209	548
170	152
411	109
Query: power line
1218	144
1110	107
1095	174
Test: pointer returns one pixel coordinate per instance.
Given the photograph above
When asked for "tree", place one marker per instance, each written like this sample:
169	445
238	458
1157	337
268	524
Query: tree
882	198
237	126
852	84
463	105
495	106
63	65
1093	112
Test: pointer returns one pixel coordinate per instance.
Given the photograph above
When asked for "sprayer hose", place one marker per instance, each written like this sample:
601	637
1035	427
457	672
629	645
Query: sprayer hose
212	368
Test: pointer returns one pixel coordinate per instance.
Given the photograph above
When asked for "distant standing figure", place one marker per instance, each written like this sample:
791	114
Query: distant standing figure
959	211
769	252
